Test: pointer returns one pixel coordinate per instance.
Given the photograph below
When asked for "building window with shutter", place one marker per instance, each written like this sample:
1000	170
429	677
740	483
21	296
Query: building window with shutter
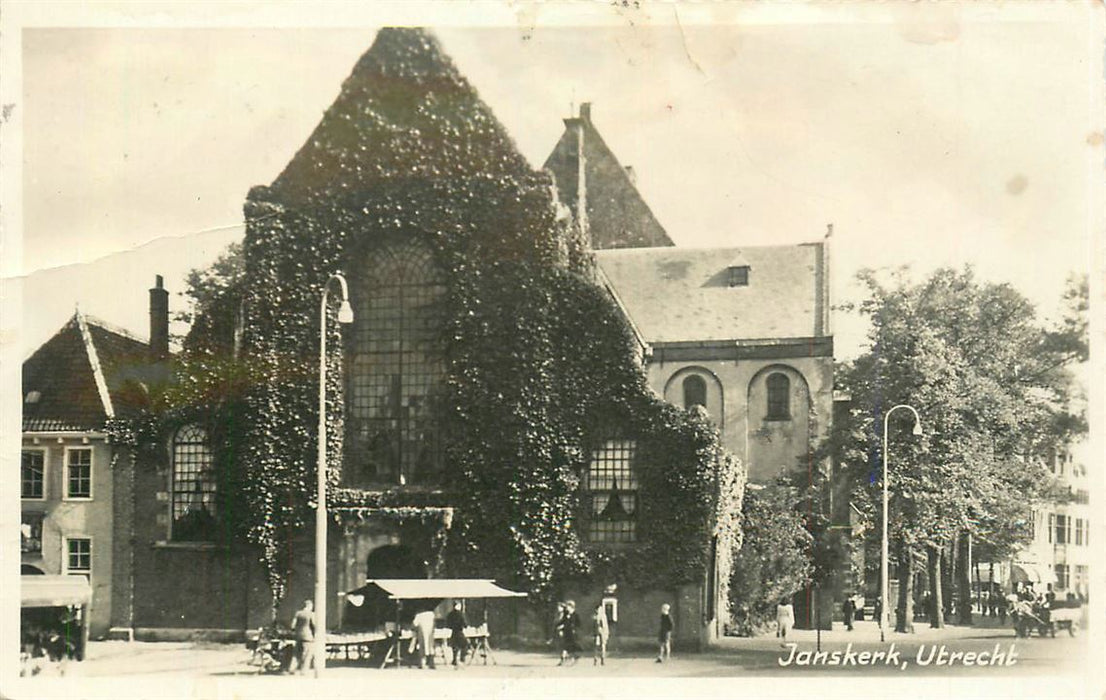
779	397
612	492
1062	576
1063	529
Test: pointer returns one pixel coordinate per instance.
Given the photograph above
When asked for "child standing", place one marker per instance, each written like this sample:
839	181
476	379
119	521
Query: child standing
665	634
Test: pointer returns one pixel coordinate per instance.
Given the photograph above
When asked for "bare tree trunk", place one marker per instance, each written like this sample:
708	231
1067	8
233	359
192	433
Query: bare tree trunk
965	581
904	612
937	608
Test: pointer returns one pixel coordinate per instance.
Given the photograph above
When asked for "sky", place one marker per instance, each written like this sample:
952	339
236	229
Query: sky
927	135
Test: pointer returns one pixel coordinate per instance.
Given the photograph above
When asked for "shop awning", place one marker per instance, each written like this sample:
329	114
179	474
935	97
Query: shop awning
1025	572
438	588
54	591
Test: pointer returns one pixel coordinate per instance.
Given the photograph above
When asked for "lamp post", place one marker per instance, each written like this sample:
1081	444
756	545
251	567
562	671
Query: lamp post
345	315
886	603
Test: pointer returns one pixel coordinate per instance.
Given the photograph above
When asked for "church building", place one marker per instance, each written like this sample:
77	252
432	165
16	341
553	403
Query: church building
443	233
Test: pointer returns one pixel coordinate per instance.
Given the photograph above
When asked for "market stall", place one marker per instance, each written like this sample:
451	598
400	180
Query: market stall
54	616
421	595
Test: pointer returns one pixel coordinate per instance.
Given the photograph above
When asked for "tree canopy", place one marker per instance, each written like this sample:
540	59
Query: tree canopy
992	387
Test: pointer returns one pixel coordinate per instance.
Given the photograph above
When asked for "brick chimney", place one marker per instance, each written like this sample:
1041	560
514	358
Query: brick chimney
585	111
159	320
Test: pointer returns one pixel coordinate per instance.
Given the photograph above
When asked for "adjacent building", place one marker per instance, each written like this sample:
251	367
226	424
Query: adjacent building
1059	556
72	500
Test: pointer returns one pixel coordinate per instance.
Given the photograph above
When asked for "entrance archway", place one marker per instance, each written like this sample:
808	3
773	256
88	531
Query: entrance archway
389	561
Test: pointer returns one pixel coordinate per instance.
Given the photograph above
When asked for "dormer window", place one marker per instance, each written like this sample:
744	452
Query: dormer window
739	275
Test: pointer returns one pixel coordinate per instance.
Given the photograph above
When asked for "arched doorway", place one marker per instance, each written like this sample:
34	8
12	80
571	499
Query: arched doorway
389	561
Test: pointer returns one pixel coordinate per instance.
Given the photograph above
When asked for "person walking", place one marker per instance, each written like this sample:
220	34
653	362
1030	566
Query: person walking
457	623
602	633
785	619
303	627
877	611
569	627
848	610
664	635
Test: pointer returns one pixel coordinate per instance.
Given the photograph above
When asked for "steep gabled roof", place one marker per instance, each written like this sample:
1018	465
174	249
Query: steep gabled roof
616	214
684	294
404	113
79	378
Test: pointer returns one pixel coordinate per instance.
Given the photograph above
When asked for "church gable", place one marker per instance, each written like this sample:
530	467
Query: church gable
404	113
586	170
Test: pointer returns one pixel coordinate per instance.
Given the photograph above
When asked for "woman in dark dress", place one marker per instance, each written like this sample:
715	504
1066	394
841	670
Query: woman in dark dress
569	627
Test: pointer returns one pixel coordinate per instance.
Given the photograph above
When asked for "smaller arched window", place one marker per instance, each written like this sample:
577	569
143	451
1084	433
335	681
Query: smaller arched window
192	501
695	391
779	397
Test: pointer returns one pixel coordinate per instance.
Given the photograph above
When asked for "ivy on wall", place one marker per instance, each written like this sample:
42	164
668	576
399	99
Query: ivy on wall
541	365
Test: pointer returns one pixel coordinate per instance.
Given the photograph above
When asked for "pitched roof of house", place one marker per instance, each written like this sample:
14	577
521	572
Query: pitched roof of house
617	216
684	294
406	114
82	376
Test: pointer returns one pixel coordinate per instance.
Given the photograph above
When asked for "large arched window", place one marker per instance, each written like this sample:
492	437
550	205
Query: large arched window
779	397
396	368
193	489
695	391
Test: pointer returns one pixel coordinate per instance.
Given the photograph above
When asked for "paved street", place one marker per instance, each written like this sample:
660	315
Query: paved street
733	657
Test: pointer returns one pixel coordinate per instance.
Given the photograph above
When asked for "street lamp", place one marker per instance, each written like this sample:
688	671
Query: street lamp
883	546
345	315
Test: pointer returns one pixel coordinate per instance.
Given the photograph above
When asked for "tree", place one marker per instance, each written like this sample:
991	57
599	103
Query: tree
990	385
774	561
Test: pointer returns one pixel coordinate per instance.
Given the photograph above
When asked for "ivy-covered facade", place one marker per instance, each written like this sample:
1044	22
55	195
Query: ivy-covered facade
487	410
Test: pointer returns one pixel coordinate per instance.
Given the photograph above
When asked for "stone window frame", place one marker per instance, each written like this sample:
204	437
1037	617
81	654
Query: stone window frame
45	473
67	487
67	553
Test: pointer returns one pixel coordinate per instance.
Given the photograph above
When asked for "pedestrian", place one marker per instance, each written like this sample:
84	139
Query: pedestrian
303	628
457	623
664	636
556	640
849	611
1000	608
569	627
877	611
602	632
785	618
424	637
